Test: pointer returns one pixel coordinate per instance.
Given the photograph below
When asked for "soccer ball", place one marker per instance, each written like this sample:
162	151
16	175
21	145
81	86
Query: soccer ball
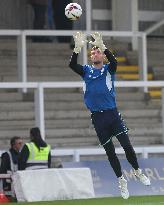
73	11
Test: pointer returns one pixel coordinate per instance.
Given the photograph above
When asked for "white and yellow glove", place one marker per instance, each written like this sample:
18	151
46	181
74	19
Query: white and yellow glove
80	40
98	42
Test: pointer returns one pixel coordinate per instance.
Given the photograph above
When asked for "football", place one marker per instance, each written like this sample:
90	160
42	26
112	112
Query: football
73	11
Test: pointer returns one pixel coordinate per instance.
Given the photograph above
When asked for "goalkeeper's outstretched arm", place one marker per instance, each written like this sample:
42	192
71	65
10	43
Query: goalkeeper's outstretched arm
112	60
80	40
98	42
75	66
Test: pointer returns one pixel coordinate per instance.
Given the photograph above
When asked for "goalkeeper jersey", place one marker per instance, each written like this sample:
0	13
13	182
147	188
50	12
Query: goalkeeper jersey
99	93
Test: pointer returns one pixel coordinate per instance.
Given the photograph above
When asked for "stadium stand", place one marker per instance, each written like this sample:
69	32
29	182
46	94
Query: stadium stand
67	120
156	61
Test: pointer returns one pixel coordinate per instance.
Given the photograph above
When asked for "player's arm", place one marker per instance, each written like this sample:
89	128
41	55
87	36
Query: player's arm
80	40
98	41
112	60
75	66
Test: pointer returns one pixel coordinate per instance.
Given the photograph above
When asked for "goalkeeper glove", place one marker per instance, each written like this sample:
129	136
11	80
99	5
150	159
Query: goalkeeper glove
98	41
80	40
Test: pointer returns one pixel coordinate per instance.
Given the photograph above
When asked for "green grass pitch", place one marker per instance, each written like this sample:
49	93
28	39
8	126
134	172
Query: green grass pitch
133	200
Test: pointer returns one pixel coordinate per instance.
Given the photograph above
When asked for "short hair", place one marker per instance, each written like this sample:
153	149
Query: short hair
94	48
13	140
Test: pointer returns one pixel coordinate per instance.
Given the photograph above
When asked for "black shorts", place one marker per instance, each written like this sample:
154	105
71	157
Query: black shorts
108	124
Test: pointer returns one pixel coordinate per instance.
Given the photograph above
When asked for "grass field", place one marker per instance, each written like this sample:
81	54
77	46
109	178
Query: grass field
137	200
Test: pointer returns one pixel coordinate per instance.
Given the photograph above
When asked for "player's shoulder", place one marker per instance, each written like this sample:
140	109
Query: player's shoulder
87	67
108	67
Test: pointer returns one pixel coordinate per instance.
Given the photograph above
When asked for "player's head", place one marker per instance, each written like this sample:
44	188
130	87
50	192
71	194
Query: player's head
97	56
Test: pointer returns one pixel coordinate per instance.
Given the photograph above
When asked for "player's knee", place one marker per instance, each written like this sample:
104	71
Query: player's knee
111	154
109	149
124	140
128	148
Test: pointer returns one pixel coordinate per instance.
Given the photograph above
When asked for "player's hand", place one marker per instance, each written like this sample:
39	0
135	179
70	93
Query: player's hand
80	40
98	41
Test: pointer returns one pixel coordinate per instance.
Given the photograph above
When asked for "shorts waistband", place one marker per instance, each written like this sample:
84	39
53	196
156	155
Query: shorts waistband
101	111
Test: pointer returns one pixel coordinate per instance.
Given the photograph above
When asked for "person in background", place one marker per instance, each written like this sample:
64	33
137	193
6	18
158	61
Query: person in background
39	20
36	154
60	20
99	97
9	160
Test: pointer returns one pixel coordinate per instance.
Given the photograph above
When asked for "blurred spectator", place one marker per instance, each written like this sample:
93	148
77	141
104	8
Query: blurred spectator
35	154
40	10
9	160
60	20
50	15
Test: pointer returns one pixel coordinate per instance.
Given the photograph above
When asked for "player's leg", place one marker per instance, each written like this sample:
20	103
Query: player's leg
122	136
99	121
120	130
115	164
132	159
103	132
128	148
113	159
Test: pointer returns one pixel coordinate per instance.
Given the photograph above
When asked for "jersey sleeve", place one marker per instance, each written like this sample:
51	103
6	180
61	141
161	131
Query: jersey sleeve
112	66
77	68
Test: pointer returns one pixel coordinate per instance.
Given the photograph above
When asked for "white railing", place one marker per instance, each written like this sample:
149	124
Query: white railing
154	27
22	47
40	87
77	153
22	36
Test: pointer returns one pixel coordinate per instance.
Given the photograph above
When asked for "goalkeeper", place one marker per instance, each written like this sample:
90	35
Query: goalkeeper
99	97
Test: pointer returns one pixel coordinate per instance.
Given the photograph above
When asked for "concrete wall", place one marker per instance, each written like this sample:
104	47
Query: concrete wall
101	15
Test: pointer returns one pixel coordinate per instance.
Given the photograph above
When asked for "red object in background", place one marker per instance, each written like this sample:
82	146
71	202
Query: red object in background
3	198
